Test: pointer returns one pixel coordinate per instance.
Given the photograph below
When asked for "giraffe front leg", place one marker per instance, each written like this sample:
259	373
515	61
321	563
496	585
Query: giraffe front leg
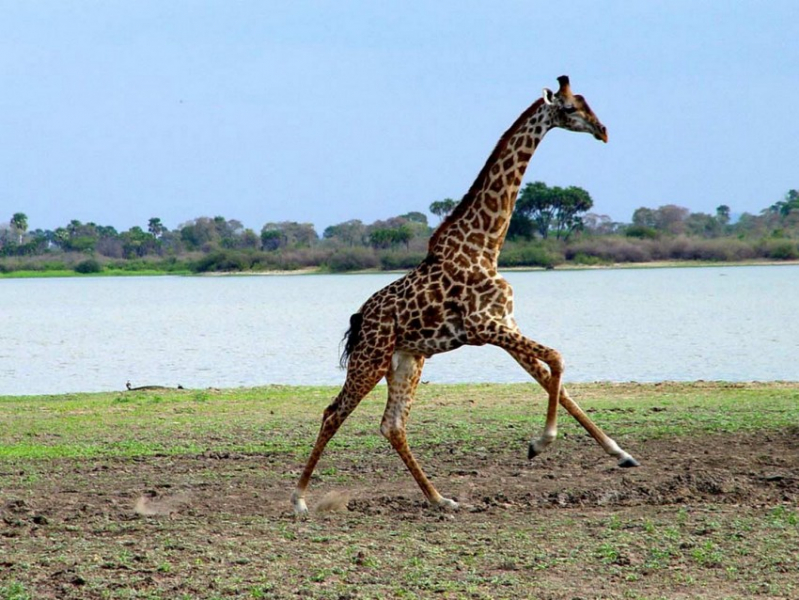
403	378
624	459
553	387
530	355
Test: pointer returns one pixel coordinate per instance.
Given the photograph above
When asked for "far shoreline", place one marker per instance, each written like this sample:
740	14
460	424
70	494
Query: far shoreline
673	264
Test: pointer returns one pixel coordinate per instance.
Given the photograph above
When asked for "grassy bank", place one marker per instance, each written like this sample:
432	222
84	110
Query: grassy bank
284	418
184	494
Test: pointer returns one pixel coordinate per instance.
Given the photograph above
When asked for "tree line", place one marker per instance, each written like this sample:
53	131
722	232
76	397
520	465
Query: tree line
549	226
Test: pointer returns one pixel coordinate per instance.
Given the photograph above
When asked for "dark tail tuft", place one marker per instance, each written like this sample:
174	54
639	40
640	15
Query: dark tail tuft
351	338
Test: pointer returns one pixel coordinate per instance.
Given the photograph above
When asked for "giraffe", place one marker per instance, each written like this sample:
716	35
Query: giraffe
456	297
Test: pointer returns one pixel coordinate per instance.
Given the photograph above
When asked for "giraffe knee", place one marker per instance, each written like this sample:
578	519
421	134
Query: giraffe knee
328	411
389	428
555	363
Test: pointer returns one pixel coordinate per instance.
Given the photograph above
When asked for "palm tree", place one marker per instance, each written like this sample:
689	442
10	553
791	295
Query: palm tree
20	223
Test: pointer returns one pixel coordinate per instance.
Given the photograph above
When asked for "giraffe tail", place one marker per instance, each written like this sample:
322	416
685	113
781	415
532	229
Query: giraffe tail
351	338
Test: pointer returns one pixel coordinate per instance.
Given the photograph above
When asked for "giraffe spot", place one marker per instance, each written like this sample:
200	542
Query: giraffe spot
476	238
431	316
456	291
462	261
435	295
452	308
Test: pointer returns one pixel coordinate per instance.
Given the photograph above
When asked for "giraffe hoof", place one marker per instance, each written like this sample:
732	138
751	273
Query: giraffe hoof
300	508
447	504
628	461
532	452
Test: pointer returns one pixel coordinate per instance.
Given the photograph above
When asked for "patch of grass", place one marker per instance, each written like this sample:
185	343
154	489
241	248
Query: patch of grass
284	419
14	590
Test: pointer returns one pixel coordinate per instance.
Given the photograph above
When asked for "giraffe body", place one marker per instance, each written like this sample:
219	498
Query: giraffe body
456	297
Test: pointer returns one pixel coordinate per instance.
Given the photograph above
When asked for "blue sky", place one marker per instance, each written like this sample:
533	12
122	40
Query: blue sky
115	112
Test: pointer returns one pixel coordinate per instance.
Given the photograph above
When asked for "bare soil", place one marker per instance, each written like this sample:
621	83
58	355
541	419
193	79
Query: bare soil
701	518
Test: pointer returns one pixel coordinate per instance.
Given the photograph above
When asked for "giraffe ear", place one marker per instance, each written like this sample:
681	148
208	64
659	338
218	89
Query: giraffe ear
549	97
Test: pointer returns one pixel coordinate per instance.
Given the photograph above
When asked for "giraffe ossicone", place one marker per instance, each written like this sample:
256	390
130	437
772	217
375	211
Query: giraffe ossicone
456	297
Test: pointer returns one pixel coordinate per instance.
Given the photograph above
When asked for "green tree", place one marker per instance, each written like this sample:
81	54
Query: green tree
201	233
19	221
668	218
351	233
384	237
155	227
137	243
723	215
703	224
442	208
288	234
415	217
644	217
571	204
788	205
553	210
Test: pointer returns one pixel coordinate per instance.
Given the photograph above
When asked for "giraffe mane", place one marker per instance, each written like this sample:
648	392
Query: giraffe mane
474	190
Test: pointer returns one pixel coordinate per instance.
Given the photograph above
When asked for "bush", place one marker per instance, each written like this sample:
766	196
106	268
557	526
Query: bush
352	259
642	232
781	250
398	260
222	260
89	265
612	249
529	255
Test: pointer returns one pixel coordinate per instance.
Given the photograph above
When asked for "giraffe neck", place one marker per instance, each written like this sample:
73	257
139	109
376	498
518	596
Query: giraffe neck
477	227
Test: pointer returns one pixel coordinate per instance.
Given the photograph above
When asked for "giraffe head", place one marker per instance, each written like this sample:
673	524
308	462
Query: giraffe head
571	111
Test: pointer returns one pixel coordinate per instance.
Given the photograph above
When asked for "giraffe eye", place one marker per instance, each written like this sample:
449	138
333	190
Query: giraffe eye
569	109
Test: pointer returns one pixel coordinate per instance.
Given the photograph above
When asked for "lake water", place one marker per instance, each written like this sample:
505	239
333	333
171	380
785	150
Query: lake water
94	334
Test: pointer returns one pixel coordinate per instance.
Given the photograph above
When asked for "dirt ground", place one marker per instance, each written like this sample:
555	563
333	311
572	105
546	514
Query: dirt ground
710	517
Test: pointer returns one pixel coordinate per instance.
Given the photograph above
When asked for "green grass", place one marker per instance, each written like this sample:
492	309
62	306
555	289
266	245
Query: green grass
281	419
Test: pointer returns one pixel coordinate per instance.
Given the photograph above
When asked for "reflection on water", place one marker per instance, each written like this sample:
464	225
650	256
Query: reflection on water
93	334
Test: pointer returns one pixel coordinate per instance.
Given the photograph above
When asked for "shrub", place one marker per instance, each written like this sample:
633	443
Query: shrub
781	250
612	249
642	232
397	260
529	255
222	260
89	265
585	259
352	259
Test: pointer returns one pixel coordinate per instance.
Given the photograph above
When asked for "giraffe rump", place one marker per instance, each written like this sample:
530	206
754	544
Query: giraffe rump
351	338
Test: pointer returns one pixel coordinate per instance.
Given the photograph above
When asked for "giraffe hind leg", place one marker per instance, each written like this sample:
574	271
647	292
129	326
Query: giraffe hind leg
366	368
403	379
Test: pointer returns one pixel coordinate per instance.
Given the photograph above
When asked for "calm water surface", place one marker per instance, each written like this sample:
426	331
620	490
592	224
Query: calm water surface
94	334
